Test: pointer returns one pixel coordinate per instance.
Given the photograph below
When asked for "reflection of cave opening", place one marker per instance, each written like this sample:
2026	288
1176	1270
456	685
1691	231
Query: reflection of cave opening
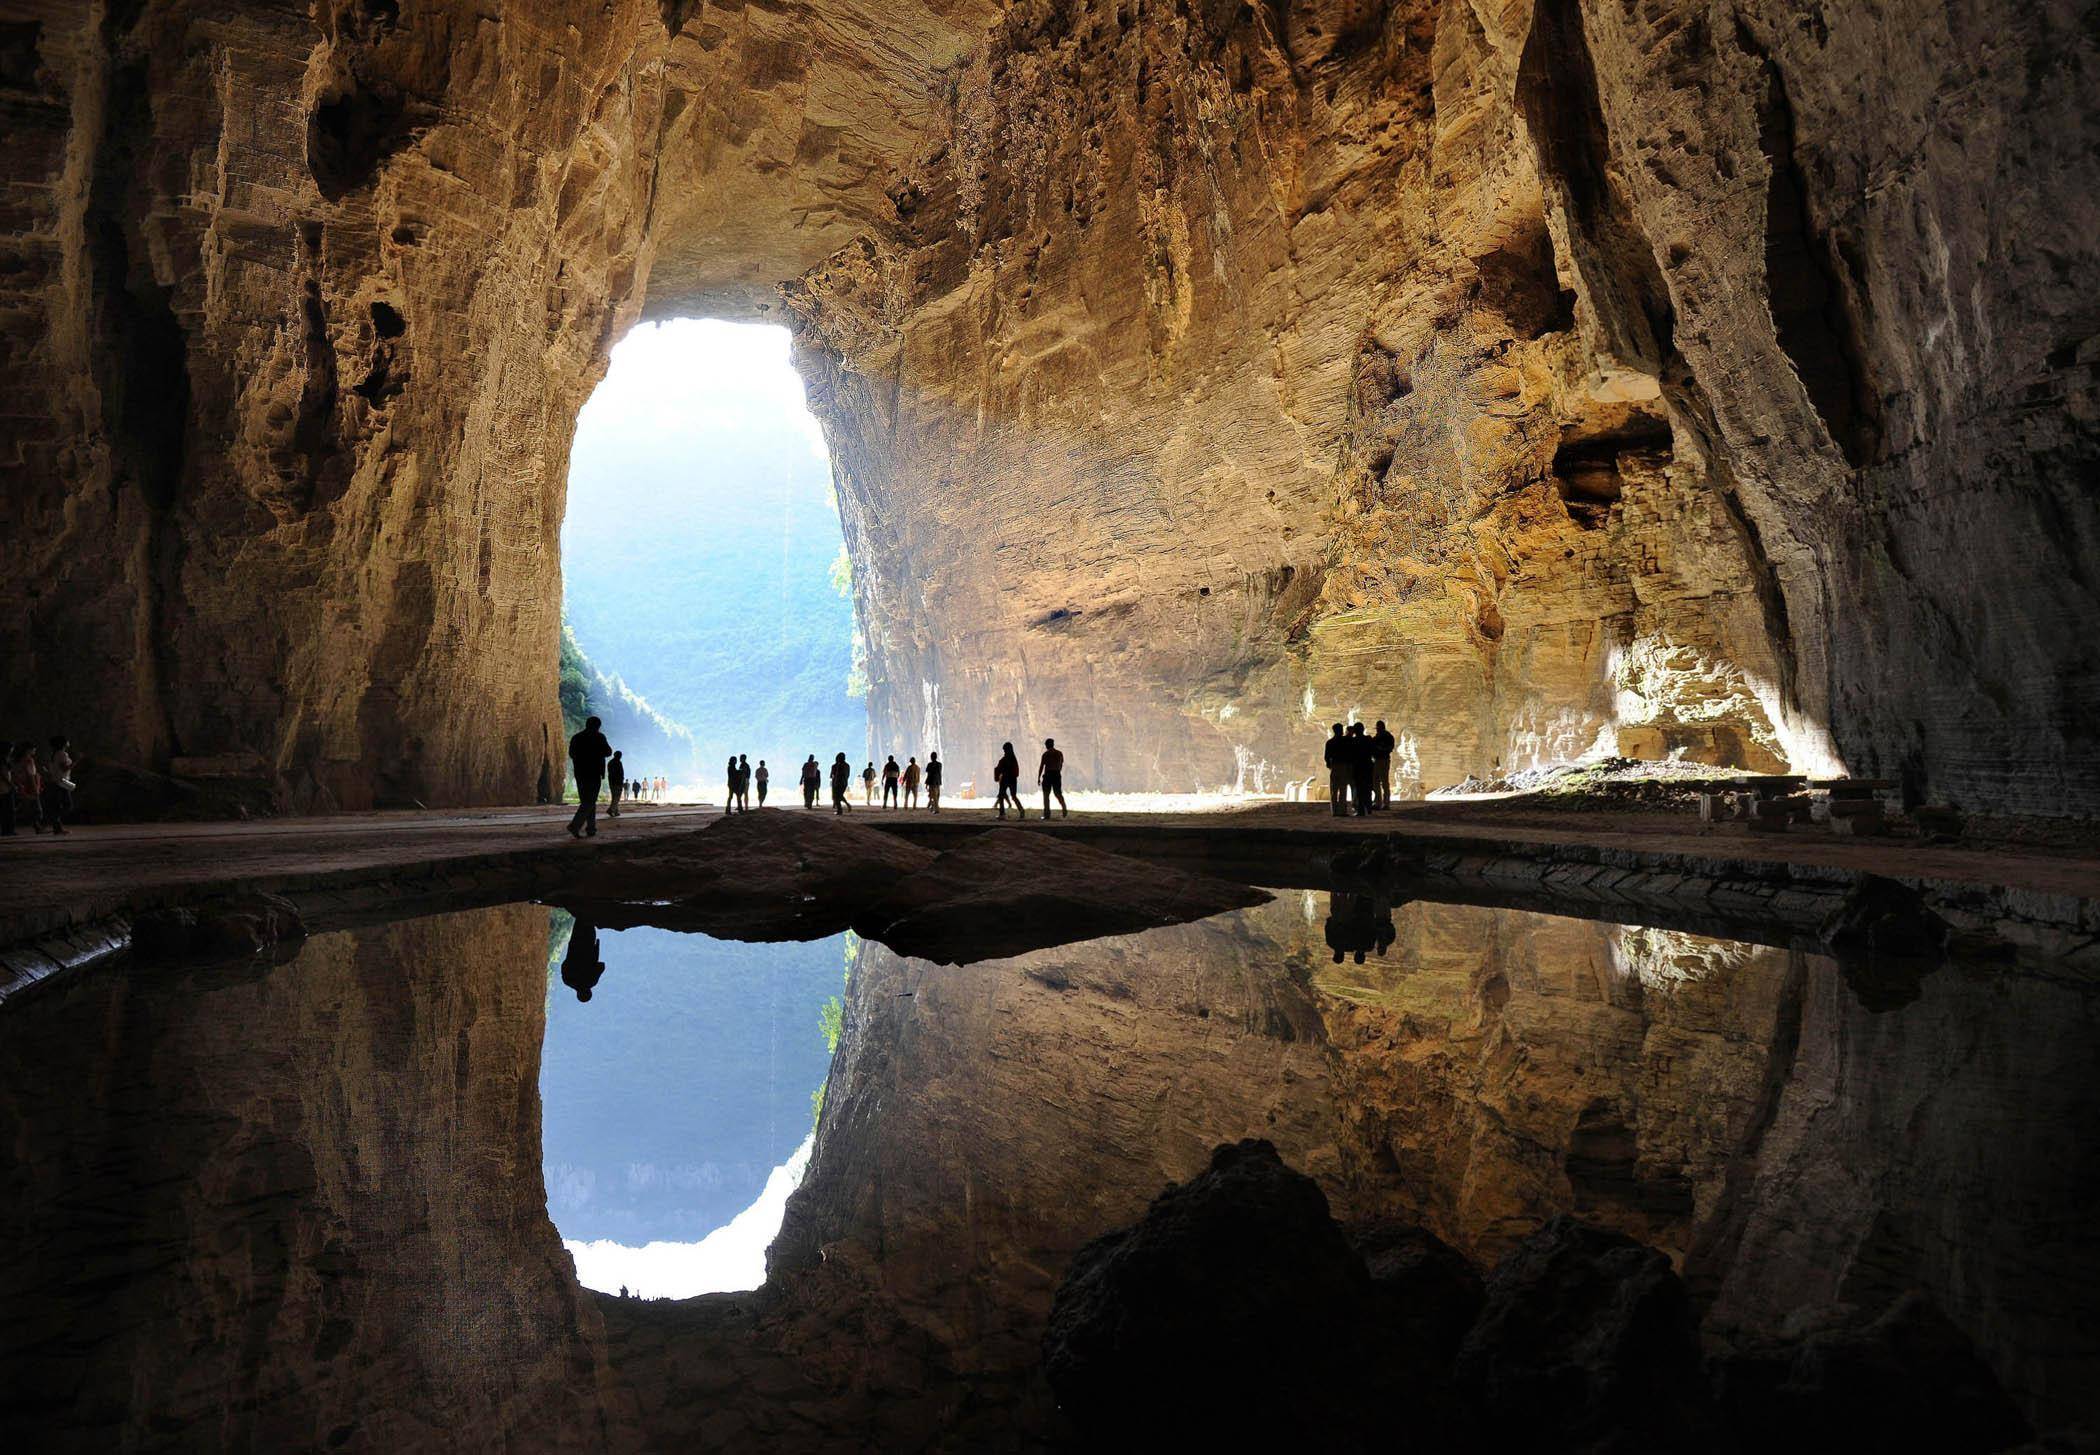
680	1081
706	594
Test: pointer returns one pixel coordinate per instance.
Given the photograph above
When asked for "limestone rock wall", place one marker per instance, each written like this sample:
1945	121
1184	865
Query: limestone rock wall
1545	377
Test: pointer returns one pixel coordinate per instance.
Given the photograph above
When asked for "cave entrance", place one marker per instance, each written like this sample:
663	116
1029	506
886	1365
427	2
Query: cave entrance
706	593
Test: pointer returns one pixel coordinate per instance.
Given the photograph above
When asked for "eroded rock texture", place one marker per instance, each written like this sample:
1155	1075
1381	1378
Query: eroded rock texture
1541	376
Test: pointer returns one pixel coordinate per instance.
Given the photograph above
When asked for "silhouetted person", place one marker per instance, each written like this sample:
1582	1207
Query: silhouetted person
588	751
1007	775
615	783
743	783
933	781
911	784
867	785
1357	923
763	778
25	787
841	781
890	775
812	780
1359	768
729	777
580	965
1382	745
1337	753
1051	774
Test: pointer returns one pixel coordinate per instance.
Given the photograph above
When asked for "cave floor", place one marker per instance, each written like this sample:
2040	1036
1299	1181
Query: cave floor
48	885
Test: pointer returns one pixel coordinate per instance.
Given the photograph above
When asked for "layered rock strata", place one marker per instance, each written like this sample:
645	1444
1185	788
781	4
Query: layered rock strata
1544	377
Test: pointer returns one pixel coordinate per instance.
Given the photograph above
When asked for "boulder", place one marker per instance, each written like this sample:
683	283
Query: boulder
1008	891
1234	1311
747	876
1586	1342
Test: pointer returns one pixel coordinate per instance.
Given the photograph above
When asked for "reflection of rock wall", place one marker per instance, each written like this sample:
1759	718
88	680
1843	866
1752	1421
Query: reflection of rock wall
292	1208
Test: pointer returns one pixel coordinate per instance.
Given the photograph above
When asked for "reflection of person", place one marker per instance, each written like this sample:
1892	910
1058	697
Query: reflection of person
581	967
1359	923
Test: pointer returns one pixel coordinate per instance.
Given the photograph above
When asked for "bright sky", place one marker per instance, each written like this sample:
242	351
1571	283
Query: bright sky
730	1259
688	375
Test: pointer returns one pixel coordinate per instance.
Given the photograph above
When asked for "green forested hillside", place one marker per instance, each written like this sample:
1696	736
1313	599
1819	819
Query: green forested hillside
698	547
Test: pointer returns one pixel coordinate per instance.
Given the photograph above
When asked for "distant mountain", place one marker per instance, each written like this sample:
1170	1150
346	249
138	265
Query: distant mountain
699	542
649	743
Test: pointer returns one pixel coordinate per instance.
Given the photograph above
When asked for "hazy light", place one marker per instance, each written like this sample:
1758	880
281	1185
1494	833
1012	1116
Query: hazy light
728	1260
687	376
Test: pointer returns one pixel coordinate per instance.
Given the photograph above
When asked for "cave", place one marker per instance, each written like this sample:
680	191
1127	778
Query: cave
1667	430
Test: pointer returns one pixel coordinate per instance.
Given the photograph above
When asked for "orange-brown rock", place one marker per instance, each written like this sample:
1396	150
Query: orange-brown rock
1542	376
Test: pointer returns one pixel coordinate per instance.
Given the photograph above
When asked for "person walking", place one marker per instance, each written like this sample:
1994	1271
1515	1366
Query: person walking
588	751
1360	769
763	778
58	784
933	782
812	780
1007	775
911	784
615	784
867	784
1338	772
890	775
1382	745
1050	773
841	779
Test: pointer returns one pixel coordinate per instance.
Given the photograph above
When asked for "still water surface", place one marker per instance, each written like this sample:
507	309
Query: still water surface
339	1202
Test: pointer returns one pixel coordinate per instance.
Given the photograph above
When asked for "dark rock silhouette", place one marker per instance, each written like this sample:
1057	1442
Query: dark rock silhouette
236	925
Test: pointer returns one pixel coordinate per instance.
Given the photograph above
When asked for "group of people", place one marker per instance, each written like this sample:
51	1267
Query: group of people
1360	769
599	767
36	791
900	786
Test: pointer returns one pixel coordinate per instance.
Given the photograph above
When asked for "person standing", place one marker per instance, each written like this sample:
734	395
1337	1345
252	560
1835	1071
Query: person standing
25	786
615	785
890	774
933	782
1007	775
763	778
58	785
580	965
812	780
911	783
588	751
1360	769
729	804
1050	773
743	783
1382	745
841	779
867	784
1338	772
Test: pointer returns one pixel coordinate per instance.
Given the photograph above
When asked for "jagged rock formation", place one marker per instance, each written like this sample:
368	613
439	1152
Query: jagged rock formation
1540	376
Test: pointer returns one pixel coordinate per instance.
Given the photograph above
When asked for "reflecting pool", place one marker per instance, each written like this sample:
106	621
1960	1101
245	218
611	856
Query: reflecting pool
359	1200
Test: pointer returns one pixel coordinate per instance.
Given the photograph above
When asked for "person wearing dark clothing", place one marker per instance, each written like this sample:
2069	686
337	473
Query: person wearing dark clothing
58	785
24	788
615	785
867	785
1382	745
933	782
729	802
1007	775
841	780
588	751
812	780
890	774
1360	769
580	965
1050	773
1338	772
743	783
762	778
